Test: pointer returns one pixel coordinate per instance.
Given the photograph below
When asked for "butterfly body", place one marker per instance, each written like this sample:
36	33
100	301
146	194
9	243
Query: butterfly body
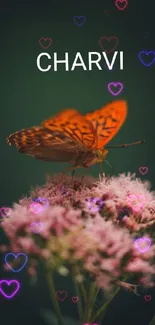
72	137
89	158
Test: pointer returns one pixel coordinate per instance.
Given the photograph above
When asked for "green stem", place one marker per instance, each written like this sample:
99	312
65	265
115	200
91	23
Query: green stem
101	311
85	312
79	304
92	297
89	303
83	291
53	296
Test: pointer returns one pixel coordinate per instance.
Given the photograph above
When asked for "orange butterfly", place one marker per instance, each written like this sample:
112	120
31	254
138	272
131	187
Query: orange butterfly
71	137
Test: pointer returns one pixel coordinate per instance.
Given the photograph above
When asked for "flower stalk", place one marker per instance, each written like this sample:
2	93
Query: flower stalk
53	295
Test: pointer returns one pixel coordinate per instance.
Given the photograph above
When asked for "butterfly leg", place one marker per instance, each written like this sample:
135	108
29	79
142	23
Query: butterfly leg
73	174
112	173
86	171
102	172
82	178
101	169
64	171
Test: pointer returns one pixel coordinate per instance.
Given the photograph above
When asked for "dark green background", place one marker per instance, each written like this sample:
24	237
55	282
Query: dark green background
28	96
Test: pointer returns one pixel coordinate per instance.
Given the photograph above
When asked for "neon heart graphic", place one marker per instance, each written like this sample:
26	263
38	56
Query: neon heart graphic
79	20
147	297
104	41
121	4
143	170
16	256
140	241
5	212
95	200
36	207
45	42
39	205
36	227
61	295
75	299
116	85
136	202
149	55
10	282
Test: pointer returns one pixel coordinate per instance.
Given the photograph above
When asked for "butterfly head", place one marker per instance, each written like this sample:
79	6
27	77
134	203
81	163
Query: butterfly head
99	156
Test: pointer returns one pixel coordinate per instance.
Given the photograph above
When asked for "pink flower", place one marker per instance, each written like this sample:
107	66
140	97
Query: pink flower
95	239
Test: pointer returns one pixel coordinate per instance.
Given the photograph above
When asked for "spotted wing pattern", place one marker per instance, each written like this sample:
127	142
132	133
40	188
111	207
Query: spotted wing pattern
107	121
42	144
72	124
69	134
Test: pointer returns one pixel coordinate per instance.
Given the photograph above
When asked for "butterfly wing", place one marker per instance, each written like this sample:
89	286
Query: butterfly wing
107	121
72	124
42	144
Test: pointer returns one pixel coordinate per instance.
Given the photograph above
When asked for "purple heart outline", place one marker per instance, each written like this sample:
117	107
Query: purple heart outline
41	200
142	240
115	84
95	200
36	224
16	256
38	206
9	282
79	17
146	53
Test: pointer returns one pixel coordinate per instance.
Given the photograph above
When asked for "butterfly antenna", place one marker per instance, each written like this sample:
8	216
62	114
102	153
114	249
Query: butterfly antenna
127	144
108	163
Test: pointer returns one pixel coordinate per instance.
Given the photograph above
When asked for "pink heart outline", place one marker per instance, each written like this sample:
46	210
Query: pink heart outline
142	240
147	297
108	39
45	39
2	212
34	226
118	6
141	170
36	207
75	299
135	197
61	292
39	205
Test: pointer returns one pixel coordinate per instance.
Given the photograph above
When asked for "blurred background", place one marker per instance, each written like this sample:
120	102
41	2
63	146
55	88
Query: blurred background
29	96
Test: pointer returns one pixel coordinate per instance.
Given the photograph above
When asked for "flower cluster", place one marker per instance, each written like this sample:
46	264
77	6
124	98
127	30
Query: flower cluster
77	239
